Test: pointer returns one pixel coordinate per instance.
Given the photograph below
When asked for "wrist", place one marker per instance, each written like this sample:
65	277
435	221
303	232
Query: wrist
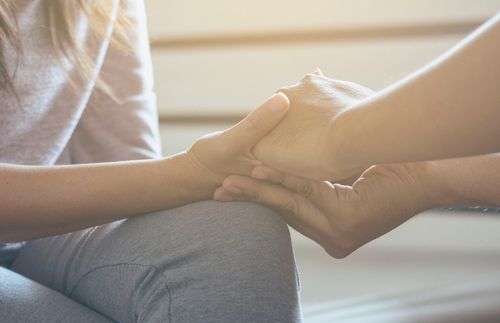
199	180
340	162
449	186
435	184
202	174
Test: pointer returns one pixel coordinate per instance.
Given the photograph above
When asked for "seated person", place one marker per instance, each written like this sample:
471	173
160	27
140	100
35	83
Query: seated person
172	260
211	262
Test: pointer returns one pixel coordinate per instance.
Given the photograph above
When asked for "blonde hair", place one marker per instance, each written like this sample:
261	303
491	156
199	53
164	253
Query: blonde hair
61	16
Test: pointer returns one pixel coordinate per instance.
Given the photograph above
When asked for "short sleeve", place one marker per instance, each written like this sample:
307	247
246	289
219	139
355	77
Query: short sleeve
126	128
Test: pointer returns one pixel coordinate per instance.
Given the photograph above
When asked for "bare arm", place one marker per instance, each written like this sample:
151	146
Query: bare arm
450	108
467	181
39	201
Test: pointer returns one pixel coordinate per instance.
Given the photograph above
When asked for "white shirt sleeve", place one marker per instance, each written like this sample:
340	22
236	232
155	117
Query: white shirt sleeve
109	130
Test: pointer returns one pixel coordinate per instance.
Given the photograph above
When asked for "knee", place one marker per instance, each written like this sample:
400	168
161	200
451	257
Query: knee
241	234
202	262
249	237
251	258
238	260
248	232
243	241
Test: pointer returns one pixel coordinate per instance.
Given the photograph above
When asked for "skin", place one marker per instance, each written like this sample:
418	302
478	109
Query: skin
350	135
448	109
413	131
40	201
314	102
342	218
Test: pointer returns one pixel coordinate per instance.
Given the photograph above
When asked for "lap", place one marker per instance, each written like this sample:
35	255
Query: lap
205	252
23	300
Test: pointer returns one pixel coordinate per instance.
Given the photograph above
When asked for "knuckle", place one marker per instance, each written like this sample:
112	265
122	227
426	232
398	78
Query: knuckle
254	121
290	206
255	195
279	178
306	189
309	76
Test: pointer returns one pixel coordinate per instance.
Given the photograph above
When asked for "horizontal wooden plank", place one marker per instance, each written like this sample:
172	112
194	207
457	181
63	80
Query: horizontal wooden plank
188	18
223	82
326	35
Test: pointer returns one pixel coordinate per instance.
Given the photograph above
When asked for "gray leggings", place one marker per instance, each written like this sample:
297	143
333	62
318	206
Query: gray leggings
204	262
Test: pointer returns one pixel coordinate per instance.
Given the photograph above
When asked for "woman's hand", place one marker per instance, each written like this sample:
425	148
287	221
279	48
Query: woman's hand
230	151
340	218
300	144
39	201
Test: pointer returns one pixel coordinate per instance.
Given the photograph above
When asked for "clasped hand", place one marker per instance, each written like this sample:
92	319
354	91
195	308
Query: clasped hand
281	160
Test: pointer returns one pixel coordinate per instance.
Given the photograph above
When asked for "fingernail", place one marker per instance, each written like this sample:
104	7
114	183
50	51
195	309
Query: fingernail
233	189
258	174
279	106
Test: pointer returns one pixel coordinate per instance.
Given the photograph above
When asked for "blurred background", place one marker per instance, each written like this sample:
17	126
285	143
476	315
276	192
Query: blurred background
216	60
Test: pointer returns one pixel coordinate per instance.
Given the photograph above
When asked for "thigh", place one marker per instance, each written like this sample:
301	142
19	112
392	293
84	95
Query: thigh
204	262
8	252
25	301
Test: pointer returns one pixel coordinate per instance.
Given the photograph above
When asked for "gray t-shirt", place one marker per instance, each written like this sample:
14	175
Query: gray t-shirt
54	124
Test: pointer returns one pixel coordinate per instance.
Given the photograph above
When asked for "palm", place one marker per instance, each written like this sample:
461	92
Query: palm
380	200
341	218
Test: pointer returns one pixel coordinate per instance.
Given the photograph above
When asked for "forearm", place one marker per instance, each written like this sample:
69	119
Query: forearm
448	109
468	181
42	201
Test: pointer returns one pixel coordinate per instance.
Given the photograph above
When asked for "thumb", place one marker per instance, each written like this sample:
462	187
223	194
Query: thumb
259	122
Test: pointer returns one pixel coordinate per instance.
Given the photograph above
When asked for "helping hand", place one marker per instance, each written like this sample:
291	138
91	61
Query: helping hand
340	218
299	144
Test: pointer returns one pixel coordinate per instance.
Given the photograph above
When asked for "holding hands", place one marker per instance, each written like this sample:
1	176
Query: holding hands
285	155
418	129
280	155
341	218
291	171
301	143
231	151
